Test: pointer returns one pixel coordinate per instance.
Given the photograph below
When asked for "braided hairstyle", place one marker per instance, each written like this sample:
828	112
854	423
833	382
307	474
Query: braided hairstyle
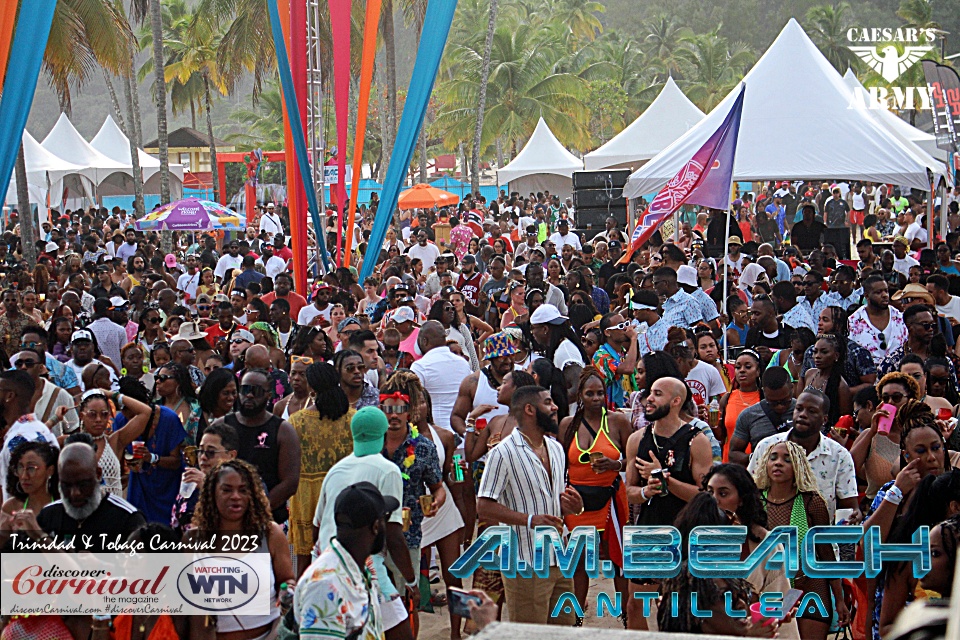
585	375
832	388
330	400
950	540
551	378
710	592
184	381
206	517
912	416
407	383
803	476
838	318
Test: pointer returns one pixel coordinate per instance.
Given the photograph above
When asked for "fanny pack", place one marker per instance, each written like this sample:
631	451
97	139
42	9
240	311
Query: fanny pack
596	498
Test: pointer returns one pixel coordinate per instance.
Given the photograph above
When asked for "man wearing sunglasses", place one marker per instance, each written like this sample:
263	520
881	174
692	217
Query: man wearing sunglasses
48	397
814	298
921	327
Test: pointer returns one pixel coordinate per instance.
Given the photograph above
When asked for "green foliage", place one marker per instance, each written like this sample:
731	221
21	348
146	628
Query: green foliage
607	101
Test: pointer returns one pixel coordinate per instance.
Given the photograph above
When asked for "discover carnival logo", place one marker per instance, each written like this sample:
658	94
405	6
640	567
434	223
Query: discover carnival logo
891	52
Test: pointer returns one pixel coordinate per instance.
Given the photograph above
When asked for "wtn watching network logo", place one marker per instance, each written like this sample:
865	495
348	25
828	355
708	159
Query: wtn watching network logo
891	53
218	583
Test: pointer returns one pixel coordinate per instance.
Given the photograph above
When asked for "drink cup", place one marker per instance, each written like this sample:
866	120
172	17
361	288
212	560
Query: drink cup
406	519
426	502
138	446
187	489
757	617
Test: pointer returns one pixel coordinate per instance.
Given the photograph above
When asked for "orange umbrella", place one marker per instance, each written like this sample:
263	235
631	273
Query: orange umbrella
423	196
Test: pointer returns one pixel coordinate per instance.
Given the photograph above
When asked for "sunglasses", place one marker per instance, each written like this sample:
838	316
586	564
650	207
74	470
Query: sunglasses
203	307
252	390
163	377
929	326
152	320
23	364
209	453
238	341
895	397
395	408
939	379
301	359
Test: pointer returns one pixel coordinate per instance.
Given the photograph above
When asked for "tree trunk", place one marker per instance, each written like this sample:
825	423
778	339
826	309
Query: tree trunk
193	114
482	105
423	152
464	163
117	109
386	138
213	141
28	222
499	153
133	118
134	93
156	25
65	106
390	68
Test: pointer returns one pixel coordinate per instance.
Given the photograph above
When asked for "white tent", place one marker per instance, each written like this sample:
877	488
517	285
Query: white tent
897	125
666	119
45	169
789	135
65	141
111	142
543	163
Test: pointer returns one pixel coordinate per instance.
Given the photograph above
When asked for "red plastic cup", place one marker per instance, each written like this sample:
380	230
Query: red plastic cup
758	618
944	414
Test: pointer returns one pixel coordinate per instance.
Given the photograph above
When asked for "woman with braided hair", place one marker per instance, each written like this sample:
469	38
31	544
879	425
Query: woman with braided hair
594	440
829	354
232	502
944	541
905	503
791	498
711	594
323	427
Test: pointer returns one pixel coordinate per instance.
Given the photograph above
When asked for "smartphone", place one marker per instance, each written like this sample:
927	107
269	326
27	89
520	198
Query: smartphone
459	601
886	423
790	599
658	474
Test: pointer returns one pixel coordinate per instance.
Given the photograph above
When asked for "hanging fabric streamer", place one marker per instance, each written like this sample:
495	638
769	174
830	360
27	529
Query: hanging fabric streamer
8	18
340	28
436	28
29	43
299	140
363	103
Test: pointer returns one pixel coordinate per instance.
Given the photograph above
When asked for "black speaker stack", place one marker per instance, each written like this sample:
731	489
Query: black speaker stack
598	195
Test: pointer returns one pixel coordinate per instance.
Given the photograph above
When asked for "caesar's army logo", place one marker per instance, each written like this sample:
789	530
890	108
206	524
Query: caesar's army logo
891	53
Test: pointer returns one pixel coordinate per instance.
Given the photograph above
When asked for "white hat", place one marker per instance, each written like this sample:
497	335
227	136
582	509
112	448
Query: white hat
687	275
81	334
547	314
270	205
403	314
190	331
119	302
50	247
242	334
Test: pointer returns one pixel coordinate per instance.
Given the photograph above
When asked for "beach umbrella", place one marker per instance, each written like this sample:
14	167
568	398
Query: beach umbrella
423	196
192	214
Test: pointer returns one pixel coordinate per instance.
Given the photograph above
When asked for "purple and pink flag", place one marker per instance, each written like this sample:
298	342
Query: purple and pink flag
705	180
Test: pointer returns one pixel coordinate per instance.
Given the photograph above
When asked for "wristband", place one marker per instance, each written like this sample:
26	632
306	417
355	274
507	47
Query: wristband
412	585
154	458
470	429
529	520
643	493
894	495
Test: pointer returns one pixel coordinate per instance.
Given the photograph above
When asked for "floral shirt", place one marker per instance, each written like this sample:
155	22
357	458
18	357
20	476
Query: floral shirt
420	468
460	237
799	316
335	598
868	336
813	308
607	360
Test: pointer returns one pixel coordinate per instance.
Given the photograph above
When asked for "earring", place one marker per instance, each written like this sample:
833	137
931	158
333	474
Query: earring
50	485
20	487
123	371
146	369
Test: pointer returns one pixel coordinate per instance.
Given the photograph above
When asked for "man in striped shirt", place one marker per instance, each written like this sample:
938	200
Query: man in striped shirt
523	486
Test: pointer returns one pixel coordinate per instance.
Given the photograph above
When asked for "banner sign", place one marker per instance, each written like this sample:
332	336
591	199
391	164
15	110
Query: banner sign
944	85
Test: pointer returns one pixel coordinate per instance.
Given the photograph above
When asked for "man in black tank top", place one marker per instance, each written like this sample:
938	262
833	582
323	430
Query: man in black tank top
267	442
677	449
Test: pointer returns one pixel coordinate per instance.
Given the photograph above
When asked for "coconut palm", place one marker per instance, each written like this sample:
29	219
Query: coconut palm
578	17
664	43
262	126
482	102
716	68
827	27
917	14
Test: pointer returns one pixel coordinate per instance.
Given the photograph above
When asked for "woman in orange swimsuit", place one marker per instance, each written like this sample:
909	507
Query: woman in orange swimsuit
747	394
594	439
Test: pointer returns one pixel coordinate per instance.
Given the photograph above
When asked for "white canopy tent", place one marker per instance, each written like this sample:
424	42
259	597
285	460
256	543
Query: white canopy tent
667	118
786	135
112	143
45	169
897	125
65	141
542	164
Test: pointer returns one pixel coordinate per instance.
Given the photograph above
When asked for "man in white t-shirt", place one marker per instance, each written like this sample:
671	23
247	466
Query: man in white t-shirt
319	309
564	236
902	261
188	282
273	265
916	232
705	383
270	221
425	250
948	306
16	395
230	260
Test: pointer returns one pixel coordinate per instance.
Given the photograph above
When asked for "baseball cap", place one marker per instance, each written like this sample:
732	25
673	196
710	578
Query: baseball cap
242	334
547	314
103	268
614	244
81	334
50	247
170	260
361	504
368	427
346	322
468	259
687	275
403	314
118	302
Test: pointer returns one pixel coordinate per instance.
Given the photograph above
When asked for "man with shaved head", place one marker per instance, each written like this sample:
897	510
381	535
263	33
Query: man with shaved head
85	506
670	458
258	357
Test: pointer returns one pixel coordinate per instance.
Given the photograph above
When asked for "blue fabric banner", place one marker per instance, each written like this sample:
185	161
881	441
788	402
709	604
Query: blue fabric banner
436	28
299	141
26	56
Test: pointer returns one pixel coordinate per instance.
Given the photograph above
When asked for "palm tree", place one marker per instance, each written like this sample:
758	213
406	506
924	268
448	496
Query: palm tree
664	43
482	102
194	60
578	17
717	68
262	126
917	14
828	25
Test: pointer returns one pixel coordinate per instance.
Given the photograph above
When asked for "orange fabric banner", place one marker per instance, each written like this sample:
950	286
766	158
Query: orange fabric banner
363	103
8	19
297	245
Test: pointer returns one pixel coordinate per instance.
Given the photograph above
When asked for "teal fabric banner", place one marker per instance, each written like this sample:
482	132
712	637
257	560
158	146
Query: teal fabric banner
436	28
296	126
23	70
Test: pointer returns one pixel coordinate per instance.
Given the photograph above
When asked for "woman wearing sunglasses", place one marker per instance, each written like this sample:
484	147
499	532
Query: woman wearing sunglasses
97	411
302	394
876	455
594	440
175	390
150	332
219	443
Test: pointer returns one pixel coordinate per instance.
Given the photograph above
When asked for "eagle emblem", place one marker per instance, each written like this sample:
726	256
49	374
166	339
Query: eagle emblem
888	61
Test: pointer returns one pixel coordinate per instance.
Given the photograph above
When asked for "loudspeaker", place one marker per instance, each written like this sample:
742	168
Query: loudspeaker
600	179
596	217
596	198
840	239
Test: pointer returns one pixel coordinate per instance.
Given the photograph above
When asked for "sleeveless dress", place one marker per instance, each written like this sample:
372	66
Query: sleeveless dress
613	516
736	402
673	454
448	517
228	623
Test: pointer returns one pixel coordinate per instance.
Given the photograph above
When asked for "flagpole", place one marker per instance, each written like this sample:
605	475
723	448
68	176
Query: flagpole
726	275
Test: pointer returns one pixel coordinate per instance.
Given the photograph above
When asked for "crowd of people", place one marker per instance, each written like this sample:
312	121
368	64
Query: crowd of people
500	368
